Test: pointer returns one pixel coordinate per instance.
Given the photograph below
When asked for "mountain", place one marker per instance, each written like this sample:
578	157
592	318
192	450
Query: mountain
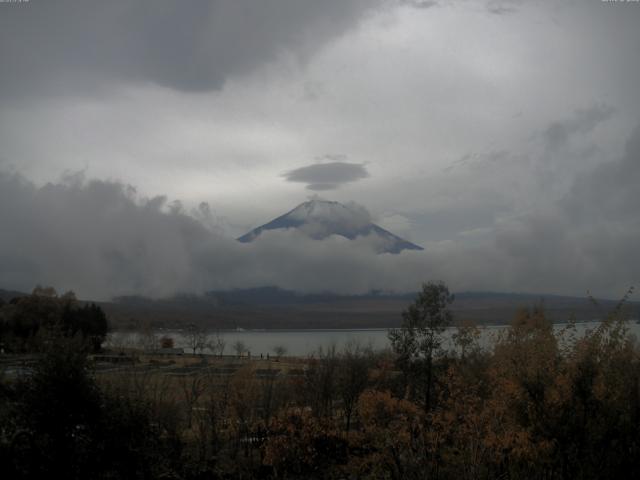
320	218
7	295
273	308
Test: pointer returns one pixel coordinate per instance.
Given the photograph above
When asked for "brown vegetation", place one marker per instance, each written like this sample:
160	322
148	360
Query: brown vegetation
537	405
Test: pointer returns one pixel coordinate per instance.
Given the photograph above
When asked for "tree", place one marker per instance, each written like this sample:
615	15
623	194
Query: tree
166	342
320	381
418	340
192	386
196	338
239	347
353	377
60	408
217	344
90	321
48	292
280	351
63	425
466	338
147	339
27	319
301	445
390	444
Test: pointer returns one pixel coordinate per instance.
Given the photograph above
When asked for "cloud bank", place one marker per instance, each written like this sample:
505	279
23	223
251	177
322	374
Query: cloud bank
101	239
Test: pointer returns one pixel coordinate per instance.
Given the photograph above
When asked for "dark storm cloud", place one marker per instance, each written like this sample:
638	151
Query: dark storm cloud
66	45
589	240
327	176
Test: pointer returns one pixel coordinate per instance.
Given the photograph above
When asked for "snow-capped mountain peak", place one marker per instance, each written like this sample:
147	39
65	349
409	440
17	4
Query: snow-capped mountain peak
321	218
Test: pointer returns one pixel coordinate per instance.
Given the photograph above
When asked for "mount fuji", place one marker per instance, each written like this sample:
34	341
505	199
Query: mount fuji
319	219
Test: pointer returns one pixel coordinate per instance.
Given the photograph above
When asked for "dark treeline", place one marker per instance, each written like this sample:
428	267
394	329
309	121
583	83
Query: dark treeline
537	405
26	321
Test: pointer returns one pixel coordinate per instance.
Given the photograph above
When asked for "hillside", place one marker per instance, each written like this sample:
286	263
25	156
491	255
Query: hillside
274	308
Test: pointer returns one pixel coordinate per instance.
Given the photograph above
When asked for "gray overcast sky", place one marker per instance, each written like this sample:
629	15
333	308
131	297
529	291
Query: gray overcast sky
500	135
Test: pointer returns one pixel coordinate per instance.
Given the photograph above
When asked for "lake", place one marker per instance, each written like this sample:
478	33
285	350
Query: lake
306	342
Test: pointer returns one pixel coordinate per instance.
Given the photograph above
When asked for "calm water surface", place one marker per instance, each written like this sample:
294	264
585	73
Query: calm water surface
306	342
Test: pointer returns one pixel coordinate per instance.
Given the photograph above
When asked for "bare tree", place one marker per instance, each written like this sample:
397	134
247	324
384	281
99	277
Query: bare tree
196	338
353	376
147	339
120	342
280	351
320	381
192	386
217	344
239	347
211	415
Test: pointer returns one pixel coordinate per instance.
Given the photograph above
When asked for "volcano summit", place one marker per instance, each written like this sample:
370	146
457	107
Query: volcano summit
320	219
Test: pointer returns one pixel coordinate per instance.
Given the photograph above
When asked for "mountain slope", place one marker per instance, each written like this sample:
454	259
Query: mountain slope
320	218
